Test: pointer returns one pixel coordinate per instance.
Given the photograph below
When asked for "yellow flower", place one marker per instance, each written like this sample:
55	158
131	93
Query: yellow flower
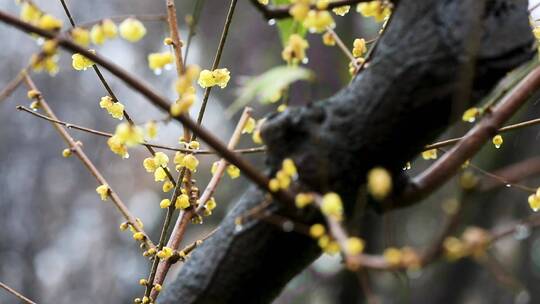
263	2
143	282
534	202
299	11
328	39
49	64
49	22
165	253
165	203
211	204
97	34
80	62
149	164
273	185
116	109
50	47
30	13
288	167
233	171
151	129
117	146
182	202
160	174
497	141
249	126
218	77
429	154
66	153
132	30
284	179
317	230
109	28
359	47
454	248
129	134
471	114
393	256
374	9
139	236
256	137
342	10
80	36
161	159
318	21
167	186
103	191
158	61
331	248
178	158
191	162
354	245
303	199
182	105
295	50
332	205
194	145
322	4
379	183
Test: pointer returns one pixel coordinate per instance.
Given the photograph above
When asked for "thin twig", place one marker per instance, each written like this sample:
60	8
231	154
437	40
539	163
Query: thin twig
16	294
343	48
88	24
12	86
157	146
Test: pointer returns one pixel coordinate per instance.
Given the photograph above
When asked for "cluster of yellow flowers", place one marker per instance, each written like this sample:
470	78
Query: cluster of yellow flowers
188	161
185	89
104	30
295	50
209	206
379	183
159	61
125	136
405	256
534	200
156	165
32	14
359	47
315	20
473	241
116	109
284	176
217	77
379	9
47	60
327	244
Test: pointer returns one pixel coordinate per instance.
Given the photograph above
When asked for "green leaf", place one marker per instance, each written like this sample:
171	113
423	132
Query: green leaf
288	26
266	86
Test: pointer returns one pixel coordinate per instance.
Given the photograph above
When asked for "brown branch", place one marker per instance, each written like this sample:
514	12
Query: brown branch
78	151
16	294
159	101
450	162
184	218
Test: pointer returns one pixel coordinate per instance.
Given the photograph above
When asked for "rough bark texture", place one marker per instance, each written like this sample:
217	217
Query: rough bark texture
436	57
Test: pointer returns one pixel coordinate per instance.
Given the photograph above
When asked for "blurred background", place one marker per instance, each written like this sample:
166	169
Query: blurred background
59	243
